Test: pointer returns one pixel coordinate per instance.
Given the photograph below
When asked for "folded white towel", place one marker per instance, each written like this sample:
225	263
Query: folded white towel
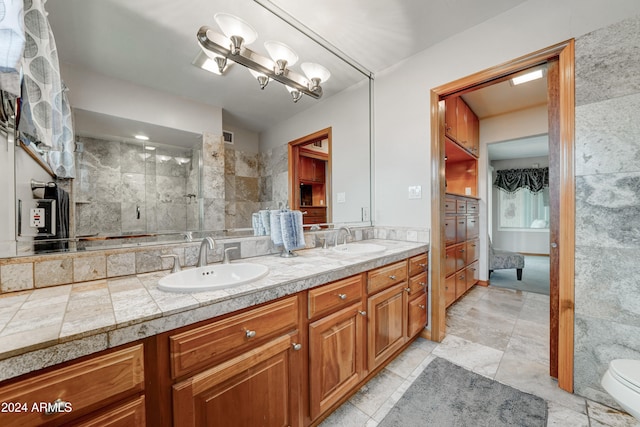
256	223
292	231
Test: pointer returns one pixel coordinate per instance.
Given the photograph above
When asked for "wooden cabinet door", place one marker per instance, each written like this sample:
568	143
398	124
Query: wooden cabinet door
472	227
450	290
387	311
474	134
129	414
449	230
461	283
463	127
450	117
461	229
256	388
473	250
450	260
472	274
336	357
306	168
417	315
460	255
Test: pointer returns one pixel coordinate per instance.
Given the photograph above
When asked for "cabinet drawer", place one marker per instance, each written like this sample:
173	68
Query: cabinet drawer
417	315
472	207
129	414
461	229
472	274
336	295
418	264
450	290
473	250
461	206
86	386
208	344
386	276
449	205
417	284
472	227
461	283
450	230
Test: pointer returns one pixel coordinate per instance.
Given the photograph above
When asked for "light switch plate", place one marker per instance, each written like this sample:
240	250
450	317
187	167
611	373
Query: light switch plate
341	197
415	192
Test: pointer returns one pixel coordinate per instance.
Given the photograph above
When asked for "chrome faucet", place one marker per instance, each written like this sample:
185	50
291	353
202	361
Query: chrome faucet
202	258
225	259
348	230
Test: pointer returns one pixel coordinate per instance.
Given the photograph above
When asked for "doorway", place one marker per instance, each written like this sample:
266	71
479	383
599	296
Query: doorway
310	177
560	64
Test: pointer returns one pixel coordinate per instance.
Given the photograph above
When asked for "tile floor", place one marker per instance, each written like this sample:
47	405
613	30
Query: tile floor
510	347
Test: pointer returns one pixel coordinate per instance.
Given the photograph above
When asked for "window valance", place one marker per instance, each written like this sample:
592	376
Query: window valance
511	180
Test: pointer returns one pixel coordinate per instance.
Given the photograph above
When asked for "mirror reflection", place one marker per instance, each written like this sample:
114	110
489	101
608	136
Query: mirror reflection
221	142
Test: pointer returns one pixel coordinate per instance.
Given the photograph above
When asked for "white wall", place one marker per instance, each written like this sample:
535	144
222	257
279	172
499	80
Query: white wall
402	110
347	113
243	139
95	92
519	124
535	241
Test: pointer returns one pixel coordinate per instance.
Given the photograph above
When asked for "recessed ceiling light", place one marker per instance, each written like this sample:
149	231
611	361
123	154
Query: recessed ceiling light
534	75
142	137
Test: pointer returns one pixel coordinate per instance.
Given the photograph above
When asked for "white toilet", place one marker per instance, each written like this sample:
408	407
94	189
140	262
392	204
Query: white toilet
622	382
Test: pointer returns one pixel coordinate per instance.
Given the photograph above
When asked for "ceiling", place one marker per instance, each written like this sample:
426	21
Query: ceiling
152	43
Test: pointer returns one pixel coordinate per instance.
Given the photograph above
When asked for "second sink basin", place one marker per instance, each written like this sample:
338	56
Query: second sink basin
212	277
359	248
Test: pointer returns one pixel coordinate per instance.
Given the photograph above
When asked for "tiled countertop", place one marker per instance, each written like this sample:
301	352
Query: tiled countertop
44	327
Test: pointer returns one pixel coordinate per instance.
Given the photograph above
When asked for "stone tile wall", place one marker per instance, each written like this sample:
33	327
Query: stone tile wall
607	290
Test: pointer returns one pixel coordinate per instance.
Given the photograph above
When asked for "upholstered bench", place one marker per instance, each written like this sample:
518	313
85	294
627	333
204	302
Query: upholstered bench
502	260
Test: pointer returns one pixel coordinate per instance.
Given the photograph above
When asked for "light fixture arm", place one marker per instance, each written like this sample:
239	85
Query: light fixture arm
214	42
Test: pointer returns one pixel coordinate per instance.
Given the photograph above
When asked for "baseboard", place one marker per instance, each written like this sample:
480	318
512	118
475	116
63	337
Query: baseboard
484	283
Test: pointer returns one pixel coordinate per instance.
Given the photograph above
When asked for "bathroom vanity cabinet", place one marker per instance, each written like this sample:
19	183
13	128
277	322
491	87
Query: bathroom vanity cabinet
286	362
103	390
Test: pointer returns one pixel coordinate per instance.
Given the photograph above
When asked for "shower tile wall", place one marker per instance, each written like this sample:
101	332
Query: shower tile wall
274	178
607	306
123	188
241	187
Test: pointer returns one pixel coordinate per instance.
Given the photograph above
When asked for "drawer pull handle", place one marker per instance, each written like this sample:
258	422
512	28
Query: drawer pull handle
250	334
342	296
422	265
422	306
362	313
407	290
296	346
422	284
56	407
392	277
461	250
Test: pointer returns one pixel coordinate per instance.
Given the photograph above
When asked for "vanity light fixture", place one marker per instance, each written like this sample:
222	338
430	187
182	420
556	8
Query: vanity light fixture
141	137
182	160
232	46
149	147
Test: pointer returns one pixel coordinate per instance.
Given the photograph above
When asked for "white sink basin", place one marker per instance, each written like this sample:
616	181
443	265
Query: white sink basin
212	277
359	248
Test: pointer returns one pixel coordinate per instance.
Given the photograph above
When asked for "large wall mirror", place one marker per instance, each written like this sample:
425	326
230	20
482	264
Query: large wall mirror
217	147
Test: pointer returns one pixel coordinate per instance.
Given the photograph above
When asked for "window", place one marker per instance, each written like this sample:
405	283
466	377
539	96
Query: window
523	209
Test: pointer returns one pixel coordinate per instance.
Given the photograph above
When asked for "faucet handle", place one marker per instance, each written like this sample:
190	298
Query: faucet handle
225	259
176	262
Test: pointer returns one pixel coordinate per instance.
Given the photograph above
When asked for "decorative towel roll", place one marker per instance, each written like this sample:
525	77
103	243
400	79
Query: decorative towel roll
292	231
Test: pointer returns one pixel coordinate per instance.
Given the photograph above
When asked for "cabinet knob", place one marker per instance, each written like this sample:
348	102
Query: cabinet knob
407	290
342	296
422	284
461	250
56	407
422	265
392	277
250	334
422	306
362	313
296	346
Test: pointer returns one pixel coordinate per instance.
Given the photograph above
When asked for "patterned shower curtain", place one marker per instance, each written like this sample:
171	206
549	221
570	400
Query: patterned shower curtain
46	115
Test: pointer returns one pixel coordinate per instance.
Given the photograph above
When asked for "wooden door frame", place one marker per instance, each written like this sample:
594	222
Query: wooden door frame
294	153
564	294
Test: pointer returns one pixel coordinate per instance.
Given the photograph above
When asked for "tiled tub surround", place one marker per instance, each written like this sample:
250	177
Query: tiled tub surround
607	295
44	327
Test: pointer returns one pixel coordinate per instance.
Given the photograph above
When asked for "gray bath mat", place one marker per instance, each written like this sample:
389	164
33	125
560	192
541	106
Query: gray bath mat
448	395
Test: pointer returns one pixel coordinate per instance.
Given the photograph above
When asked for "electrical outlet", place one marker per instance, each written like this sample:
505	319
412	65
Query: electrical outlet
365	214
36	218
